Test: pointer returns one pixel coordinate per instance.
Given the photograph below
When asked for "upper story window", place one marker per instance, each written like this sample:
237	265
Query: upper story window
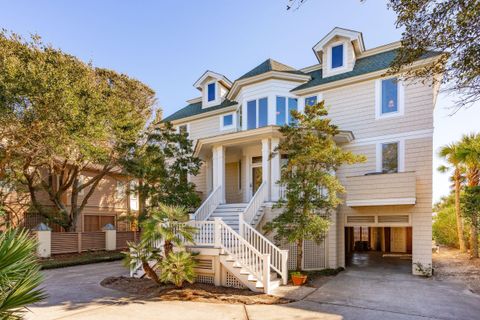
390	156
227	121
311	101
120	190
389	95
337	56
257	113
284	108
389	98
183	129
211	92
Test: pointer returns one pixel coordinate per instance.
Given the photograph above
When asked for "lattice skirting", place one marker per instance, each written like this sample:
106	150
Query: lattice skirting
314	255
233	282
207	279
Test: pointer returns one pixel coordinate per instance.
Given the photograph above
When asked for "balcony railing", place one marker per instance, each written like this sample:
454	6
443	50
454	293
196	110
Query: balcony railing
381	189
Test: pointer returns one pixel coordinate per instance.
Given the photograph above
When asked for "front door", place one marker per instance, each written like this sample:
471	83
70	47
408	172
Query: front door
256	179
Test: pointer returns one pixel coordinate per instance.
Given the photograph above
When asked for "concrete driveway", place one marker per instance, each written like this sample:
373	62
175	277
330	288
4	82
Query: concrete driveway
361	292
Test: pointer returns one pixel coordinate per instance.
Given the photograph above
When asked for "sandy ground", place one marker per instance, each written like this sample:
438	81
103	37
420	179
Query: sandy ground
452	265
191	292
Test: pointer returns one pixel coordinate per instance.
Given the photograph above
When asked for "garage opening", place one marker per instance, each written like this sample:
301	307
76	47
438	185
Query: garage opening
378	247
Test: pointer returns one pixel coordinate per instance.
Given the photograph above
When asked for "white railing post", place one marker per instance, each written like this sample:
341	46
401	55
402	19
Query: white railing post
217	233
284	266
241	221
266	273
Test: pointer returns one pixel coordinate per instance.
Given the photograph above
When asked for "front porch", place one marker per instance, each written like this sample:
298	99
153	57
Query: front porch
240	163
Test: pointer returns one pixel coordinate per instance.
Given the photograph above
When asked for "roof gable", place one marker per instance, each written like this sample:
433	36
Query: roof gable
194	109
269	65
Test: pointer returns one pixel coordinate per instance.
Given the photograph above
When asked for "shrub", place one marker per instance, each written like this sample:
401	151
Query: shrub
178	268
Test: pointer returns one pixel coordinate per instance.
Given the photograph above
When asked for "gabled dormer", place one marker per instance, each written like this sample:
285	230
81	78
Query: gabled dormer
214	88
338	50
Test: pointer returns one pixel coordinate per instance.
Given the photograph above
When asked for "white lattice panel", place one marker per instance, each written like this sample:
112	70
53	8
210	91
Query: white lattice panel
202	278
233	282
313	255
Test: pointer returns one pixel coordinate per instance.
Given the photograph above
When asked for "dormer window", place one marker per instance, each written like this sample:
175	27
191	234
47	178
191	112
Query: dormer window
211	91
337	56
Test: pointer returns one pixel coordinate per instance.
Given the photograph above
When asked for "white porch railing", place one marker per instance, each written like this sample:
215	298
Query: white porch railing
251	259
255	203
205	235
278	257
207	207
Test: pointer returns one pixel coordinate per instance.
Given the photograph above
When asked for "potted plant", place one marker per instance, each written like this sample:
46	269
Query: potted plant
298	278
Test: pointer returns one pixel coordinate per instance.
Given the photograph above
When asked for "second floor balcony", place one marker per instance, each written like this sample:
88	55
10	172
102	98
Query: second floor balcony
381	189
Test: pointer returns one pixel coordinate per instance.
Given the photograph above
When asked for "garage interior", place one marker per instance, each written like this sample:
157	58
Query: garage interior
378	246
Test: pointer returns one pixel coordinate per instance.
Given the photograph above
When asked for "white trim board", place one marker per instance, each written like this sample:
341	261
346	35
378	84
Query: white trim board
426	133
381	202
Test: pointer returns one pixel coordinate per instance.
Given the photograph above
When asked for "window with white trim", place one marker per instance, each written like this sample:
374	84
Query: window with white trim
390	156
257	113
389	97
227	121
120	190
337	55
283	110
211	88
310	101
183	129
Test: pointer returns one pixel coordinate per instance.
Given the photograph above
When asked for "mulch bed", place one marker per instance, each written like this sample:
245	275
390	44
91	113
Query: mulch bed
198	292
76	259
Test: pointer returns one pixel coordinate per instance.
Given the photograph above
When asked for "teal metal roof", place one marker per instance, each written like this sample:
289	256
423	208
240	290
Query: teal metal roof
194	109
376	62
269	65
365	65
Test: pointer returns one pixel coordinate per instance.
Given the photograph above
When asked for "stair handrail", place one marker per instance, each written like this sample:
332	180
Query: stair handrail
278	257
255	203
248	256
208	206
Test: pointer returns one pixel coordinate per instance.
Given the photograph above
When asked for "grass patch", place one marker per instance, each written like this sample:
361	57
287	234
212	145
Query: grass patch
76	259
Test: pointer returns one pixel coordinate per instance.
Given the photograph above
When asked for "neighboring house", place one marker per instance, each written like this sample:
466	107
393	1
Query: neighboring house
111	200
388	200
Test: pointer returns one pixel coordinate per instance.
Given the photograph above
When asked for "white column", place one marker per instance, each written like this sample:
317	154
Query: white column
275	171
219	169
110	240
266	164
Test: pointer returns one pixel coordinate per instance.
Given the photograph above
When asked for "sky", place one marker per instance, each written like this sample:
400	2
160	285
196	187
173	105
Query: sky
169	44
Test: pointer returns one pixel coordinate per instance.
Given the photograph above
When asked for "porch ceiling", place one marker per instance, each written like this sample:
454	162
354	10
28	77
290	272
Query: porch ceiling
204	146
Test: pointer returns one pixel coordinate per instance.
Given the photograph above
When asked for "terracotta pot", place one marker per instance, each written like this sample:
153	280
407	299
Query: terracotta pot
299	280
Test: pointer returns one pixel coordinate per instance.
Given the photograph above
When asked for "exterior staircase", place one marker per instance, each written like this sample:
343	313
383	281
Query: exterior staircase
230	214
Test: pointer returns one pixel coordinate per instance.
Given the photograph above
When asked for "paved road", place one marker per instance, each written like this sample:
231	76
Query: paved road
358	293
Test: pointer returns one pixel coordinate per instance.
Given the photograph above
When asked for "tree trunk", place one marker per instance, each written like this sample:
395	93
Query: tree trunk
461	237
474	239
167	247
150	272
299	255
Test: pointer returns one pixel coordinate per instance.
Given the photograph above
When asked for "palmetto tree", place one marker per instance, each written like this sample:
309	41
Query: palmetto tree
451	154
143	253
469	154
177	268
19	274
169	223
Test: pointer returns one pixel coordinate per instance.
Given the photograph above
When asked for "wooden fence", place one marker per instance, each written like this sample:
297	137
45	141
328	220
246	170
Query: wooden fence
76	242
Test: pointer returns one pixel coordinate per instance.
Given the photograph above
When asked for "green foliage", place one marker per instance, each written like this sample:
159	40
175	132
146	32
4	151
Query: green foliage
58	117
311	186
169	223
470	200
177	268
142	253
444	225
19	274
88	257
162	164
449	26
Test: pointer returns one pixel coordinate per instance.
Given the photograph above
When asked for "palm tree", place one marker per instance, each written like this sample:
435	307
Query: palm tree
469	154
169	223
177	268
19	274
143	253
451	155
